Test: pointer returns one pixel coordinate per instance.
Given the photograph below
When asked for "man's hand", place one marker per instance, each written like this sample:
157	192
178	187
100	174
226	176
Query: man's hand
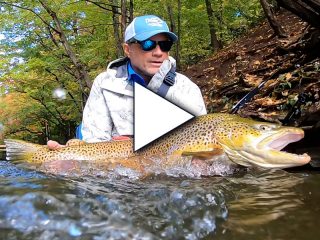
53	145
121	138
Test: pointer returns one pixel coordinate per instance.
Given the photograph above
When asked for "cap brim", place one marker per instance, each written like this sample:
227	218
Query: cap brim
146	35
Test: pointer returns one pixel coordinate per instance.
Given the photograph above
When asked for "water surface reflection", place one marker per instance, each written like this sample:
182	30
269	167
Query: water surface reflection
251	204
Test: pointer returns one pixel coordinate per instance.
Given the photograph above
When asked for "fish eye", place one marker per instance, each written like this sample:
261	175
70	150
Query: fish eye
265	127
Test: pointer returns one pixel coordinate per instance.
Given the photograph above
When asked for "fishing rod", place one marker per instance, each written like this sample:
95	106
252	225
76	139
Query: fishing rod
293	114
254	91
248	97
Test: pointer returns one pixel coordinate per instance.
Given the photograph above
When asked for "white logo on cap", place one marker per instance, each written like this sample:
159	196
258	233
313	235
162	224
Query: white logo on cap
154	22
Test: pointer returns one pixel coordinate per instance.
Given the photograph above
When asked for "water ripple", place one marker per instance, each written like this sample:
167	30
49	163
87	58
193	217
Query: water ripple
245	205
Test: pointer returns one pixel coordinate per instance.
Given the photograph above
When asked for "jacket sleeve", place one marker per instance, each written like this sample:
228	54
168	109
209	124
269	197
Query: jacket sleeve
187	95
96	121
184	93
157	79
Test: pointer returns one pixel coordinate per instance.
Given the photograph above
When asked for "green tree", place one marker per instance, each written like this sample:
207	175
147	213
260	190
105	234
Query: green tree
61	45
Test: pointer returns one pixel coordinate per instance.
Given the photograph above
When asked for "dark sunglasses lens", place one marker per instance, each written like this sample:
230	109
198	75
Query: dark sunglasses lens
165	46
148	45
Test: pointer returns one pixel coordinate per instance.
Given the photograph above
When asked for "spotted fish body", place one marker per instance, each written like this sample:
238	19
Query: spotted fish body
244	141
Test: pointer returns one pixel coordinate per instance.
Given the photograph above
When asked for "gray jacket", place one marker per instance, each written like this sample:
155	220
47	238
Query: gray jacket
109	108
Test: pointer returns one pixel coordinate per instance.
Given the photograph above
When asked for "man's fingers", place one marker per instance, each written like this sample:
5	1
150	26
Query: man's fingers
120	138
53	145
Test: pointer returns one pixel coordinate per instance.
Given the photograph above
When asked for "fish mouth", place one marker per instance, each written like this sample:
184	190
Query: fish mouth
284	140
269	152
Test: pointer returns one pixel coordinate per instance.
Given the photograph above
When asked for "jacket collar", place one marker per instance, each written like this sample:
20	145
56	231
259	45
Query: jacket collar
116	79
134	77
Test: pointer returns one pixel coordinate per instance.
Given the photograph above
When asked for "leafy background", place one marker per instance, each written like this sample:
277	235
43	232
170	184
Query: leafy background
60	46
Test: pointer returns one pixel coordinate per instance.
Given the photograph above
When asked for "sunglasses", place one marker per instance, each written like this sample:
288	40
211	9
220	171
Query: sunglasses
148	45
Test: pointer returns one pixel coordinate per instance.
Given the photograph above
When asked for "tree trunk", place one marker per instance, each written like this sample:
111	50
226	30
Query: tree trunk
214	43
308	10
171	17
278	30
81	72
116	24
178	59
130	10
219	17
173	29
123	16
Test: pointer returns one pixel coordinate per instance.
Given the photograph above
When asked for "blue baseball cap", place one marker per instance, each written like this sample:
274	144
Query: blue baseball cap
144	27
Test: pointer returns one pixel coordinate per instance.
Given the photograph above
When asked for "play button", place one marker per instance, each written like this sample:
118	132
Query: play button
154	116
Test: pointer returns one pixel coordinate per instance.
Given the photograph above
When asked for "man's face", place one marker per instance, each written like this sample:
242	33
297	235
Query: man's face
146	63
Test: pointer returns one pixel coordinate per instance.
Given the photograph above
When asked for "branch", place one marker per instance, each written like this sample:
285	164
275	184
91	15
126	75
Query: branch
63	85
22	129
30	10
40	100
98	4
83	74
40	40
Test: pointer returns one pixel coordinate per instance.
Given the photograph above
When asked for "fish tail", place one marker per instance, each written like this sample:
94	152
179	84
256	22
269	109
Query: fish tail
18	149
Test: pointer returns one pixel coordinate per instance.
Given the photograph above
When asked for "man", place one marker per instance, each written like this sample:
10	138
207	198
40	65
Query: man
108	113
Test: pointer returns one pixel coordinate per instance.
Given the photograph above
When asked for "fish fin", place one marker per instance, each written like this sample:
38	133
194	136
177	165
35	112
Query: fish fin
204	154
18	149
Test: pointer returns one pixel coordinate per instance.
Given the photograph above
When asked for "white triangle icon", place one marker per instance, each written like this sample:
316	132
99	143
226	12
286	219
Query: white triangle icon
154	116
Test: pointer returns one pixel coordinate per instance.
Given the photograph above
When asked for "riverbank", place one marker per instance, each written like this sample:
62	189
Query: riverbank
289	66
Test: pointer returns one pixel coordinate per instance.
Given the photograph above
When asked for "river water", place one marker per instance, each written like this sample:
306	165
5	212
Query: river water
248	204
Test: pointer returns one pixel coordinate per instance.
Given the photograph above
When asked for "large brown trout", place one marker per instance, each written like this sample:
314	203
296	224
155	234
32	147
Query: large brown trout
243	141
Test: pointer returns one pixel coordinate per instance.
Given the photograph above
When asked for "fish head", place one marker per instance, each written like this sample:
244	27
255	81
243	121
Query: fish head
248	142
